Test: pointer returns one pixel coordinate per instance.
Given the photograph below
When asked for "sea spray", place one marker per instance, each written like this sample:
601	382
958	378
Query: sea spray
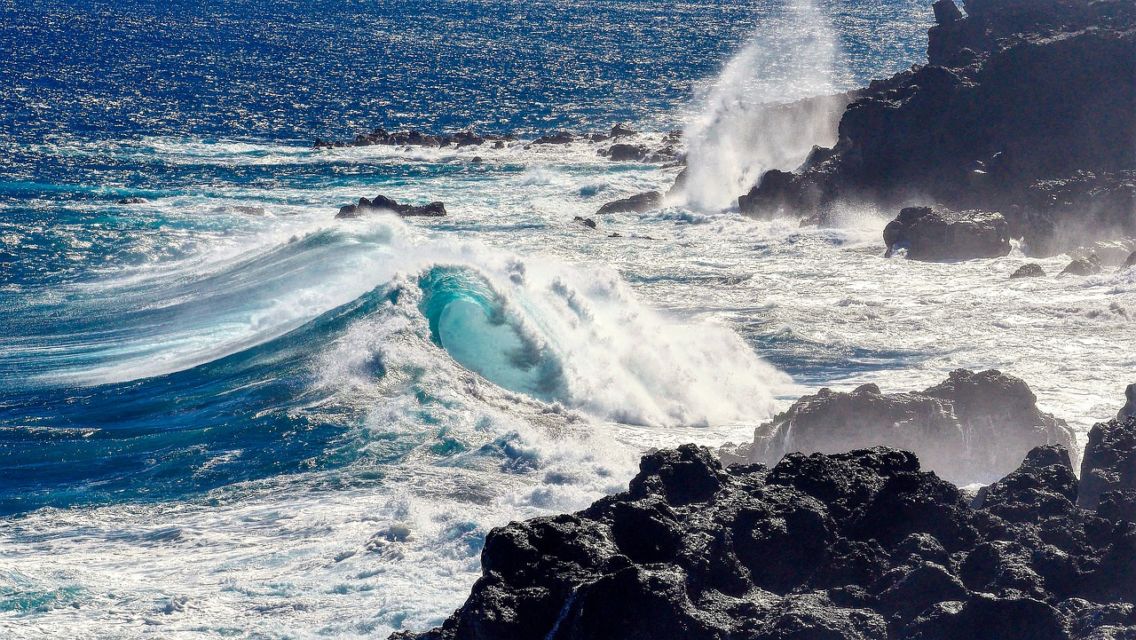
770	105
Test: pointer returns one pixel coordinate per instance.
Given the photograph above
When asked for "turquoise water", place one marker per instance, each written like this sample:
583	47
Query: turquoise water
226	414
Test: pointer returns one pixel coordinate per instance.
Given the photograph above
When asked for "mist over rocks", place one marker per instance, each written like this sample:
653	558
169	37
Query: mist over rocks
1024	108
972	427
859	545
938	235
637	203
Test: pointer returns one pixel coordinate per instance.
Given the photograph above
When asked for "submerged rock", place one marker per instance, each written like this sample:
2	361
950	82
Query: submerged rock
1031	270
973	427
1087	266
934	234
587	222
635	204
383	203
858	545
132	200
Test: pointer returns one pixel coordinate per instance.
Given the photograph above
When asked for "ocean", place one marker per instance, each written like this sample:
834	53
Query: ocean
225	413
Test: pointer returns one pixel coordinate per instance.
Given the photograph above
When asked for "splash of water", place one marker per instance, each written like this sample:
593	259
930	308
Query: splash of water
753	119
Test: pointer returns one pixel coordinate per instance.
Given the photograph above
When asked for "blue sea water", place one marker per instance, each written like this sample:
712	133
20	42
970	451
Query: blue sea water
224	413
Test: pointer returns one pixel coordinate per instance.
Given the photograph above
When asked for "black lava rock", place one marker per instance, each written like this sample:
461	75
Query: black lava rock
1088	266
859	545
635	204
383	203
1031	270
935	234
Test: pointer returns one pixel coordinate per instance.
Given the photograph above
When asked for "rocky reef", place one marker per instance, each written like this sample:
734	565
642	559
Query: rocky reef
849	546
972	427
1023	108
619	144
383	203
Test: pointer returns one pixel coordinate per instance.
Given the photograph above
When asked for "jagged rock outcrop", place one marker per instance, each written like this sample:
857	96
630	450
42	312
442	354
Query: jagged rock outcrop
637	203
1029	270
853	546
973	427
1129	408
1024	108
383	203
936	235
1109	463
1089	265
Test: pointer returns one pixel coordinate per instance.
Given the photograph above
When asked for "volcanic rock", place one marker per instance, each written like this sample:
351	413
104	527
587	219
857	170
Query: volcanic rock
1024	108
1109	462
1129	409
1030	270
935	234
383	203
623	152
1086	266
852	546
973	427
635	204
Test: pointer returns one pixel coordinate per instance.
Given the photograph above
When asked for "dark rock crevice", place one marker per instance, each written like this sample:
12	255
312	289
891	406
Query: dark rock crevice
859	545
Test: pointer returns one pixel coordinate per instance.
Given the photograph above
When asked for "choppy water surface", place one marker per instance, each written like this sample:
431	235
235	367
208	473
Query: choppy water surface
225	413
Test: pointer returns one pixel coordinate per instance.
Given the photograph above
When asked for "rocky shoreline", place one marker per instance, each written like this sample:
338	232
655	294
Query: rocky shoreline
1022	112
847	546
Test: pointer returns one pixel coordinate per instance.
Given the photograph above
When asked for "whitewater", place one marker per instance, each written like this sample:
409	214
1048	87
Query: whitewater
247	418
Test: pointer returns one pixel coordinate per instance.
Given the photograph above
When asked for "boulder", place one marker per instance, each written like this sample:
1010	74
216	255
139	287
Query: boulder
1087	266
973	427
936	234
635	204
623	152
560	137
1030	270
132	200
587	222
383	203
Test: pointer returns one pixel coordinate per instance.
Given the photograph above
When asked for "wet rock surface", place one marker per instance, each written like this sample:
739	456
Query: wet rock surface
938	235
635	204
383	203
972	427
1031	270
1023	108
1086	266
859	545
